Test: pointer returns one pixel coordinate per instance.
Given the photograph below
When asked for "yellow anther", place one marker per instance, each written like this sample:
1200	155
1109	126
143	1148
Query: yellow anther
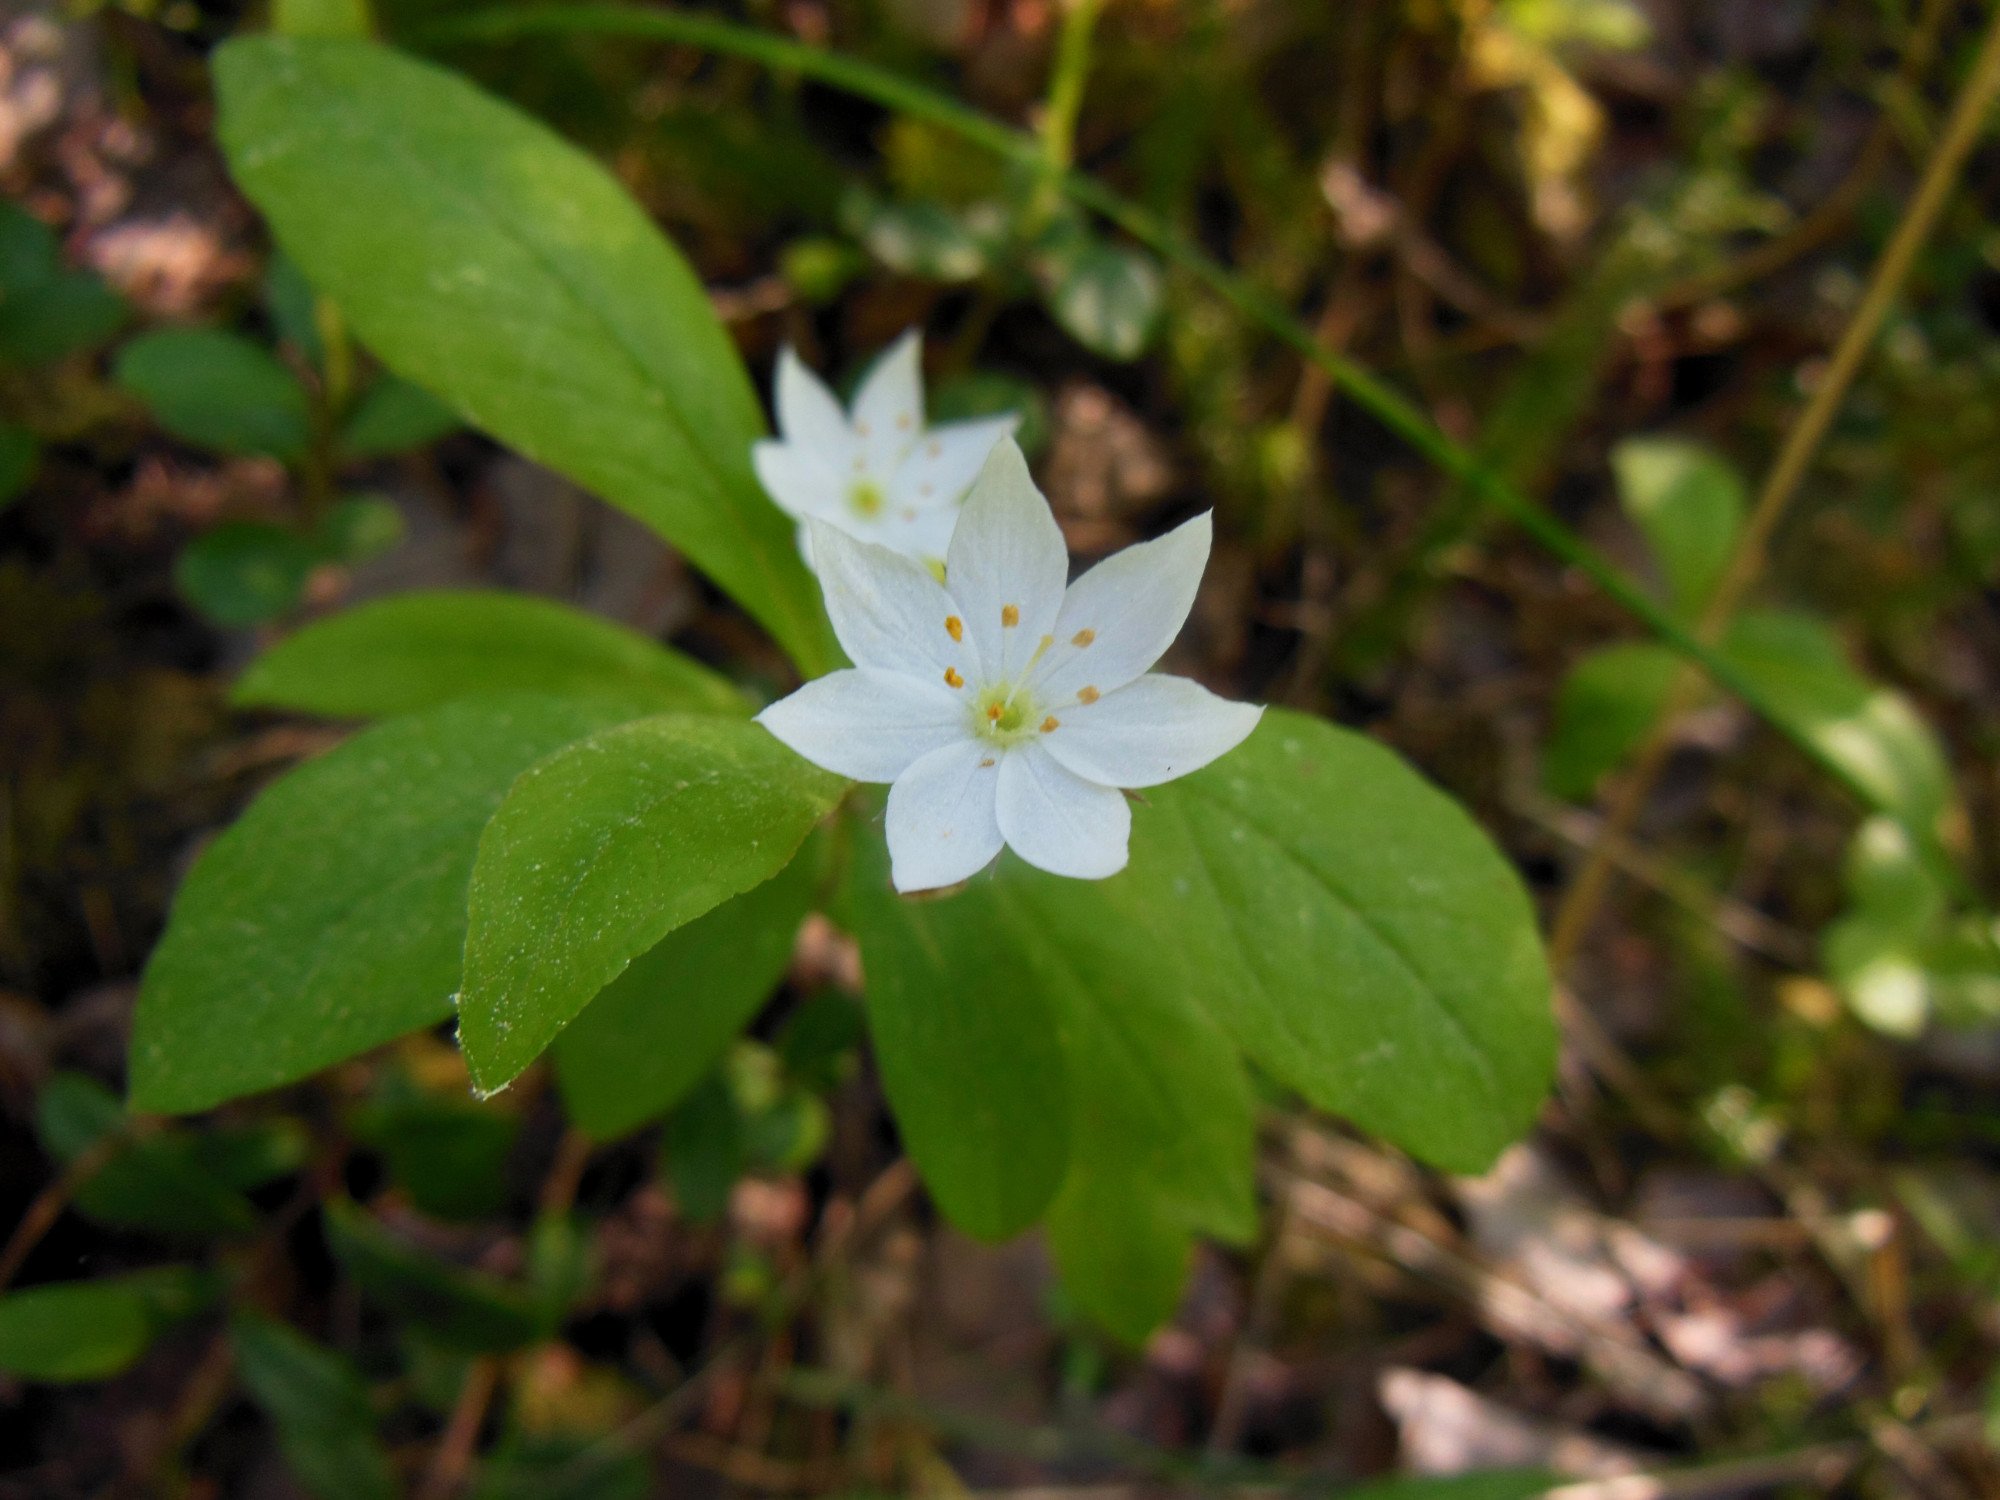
1010	614
952	679
1088	695
993	712
954	627
1051	722
1083	638
989	761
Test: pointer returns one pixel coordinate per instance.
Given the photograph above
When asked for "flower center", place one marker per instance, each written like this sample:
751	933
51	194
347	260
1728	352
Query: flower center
866	499
1004	714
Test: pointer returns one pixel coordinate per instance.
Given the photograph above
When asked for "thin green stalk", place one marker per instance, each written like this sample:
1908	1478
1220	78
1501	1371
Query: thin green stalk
1382	401
1064	105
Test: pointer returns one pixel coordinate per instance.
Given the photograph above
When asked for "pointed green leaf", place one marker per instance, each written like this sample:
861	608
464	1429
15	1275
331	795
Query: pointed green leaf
505	271
1605	707
1803	669
654	1032
162	1181
1163	1141
329	918
218	390
415	651
466	1311
601	851
87	1330
394	416
245	572
320	1405
969	1047
1690	503
1358	934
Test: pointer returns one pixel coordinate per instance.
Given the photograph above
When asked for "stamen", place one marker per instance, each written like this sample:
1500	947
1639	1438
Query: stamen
903	421
952	679
987	762
994	711
1088	695
1010	614
1083	638
1051	723
954	627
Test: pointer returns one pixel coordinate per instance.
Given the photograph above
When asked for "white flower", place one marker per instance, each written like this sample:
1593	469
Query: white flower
1001	706
876	473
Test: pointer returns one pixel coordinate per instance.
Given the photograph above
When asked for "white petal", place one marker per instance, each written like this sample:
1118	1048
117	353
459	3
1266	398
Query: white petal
798	480
1128	609
1059	822
889	405
941	823
889	612
1149	731
942	466
922	534
809	414
1006	562
866	724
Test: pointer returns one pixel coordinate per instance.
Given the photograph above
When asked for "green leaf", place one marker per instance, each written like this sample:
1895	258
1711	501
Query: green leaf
46	310
320	1405
293	308
653	1033
163	1181
357	528
918	239
245	572
322	18
1802	669
968	1045
416	651
1357	932
1690	504
330	918
218	390
20	455
703	1149
448	1152
87	1330
1606	705
1163	1140
504	271
395	416
601	851
466	1311
1108	298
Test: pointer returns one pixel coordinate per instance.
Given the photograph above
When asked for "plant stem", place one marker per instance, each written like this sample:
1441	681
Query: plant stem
1059	113
1968	116
1388	406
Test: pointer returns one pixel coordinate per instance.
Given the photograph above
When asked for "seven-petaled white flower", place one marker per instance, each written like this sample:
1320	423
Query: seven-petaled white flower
1001	706
877	473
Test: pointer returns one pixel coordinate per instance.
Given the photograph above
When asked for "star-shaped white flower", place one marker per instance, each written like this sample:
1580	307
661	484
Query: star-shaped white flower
1001	706
876	473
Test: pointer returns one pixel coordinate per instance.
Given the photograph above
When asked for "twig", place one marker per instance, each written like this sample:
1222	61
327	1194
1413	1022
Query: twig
49	1203
453	1458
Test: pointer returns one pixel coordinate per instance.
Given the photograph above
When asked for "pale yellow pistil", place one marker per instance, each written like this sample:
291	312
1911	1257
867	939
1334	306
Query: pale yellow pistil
866	499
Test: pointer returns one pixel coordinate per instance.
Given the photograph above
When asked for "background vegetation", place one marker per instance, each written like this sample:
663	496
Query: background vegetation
1714	286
